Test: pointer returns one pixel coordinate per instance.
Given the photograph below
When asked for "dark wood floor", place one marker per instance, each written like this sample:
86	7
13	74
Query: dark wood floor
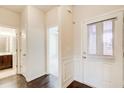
76	84
18	81
46	81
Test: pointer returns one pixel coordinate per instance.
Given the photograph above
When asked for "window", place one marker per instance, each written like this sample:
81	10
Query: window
92	39
100	38
107	38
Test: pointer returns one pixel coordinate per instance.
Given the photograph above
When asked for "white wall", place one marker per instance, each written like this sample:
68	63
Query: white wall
51	22
66	44
35	52
9	19
80	14
61	17
52	17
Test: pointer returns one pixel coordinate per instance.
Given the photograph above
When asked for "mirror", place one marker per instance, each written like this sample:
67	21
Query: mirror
7	39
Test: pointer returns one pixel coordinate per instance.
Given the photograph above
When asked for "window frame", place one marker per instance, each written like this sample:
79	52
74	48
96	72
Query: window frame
98	53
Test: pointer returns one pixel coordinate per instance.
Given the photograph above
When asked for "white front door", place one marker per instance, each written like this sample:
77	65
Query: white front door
103	61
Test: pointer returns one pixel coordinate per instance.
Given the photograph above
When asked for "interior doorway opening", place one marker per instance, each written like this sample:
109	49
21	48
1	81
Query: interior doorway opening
52	50
8	51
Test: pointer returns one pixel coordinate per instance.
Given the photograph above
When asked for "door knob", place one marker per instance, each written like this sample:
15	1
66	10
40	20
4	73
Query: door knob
24	54
84	57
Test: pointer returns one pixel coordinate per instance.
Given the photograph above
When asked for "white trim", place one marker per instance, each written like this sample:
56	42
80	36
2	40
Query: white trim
108	15
68	83
28	79
59	46
88	84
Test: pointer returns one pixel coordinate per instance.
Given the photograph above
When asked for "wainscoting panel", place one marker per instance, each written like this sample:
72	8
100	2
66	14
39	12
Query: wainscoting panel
107	81
67	71
108	73
78	69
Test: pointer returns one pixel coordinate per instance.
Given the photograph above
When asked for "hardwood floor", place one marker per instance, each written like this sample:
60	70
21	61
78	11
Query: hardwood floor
16	81
76	84
46	81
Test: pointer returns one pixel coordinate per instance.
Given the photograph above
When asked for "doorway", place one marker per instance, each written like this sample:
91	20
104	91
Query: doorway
52	65
8	51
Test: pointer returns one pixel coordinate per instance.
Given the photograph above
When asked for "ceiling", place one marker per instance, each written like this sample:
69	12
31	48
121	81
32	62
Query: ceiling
15	8
20	8
46	8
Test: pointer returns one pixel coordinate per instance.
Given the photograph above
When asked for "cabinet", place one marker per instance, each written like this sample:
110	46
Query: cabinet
5	61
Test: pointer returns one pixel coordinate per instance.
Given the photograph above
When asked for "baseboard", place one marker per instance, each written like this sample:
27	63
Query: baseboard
85	84
68	83
29	79
88	84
